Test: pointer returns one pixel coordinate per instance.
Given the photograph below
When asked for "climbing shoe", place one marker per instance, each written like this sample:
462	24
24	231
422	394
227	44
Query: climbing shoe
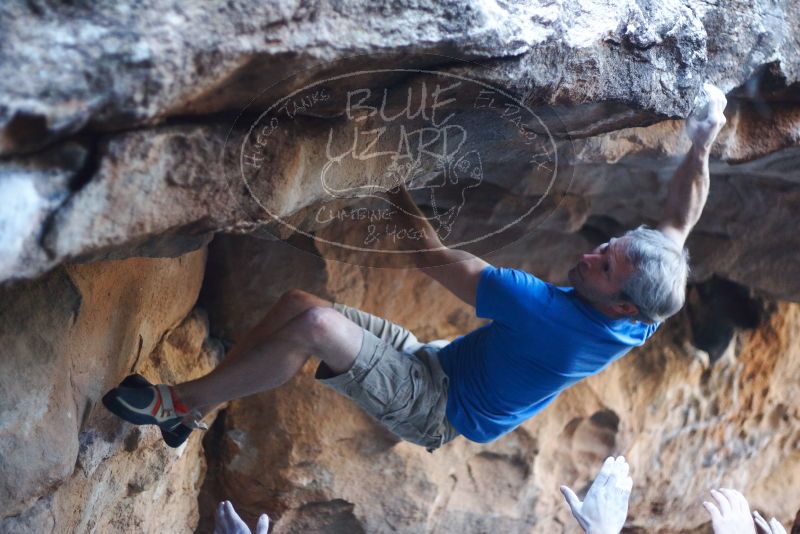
173	437
139	402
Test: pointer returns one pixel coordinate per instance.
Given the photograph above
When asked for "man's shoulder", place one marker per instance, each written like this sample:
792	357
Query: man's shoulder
515	277
510	295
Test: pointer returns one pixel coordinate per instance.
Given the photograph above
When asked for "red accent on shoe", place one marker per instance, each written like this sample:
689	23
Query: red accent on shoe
180	407
158	403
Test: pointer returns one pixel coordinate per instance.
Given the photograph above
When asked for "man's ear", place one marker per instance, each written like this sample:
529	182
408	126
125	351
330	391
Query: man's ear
626	309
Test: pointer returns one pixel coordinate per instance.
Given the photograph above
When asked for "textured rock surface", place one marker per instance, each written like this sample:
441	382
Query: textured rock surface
171	59
66	464
212	60
119	138
161	190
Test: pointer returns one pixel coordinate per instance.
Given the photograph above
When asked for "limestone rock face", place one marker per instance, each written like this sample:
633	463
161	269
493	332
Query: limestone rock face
132	136
66	464
166	59
169	59
133	186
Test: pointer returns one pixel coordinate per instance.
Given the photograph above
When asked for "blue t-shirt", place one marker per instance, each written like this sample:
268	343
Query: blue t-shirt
542	339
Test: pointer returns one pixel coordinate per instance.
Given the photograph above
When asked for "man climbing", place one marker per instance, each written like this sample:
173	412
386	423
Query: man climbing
541	340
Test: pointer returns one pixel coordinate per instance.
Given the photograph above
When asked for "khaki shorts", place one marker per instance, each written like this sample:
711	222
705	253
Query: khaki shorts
397	380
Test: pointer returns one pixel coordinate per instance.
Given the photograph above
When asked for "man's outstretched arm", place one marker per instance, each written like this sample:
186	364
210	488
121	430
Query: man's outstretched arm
688	190
457	270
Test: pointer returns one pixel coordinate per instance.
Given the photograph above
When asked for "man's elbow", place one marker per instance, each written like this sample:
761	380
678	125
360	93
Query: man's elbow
676	234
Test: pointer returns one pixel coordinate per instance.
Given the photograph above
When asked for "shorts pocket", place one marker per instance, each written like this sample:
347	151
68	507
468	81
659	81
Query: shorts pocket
384	387
434	425
406	394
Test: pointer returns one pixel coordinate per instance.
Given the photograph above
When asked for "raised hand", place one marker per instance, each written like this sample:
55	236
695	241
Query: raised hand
771	527
605	507
708	118
262	527
731	514
227	521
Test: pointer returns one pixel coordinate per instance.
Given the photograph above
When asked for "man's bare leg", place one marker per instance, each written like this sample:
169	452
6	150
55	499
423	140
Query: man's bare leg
291	304
274	351
270	359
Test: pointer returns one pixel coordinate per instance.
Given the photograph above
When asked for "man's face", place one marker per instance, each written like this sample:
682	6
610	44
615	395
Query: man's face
599	275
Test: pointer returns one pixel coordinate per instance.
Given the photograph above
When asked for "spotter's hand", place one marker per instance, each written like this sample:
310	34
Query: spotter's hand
731	513
605	507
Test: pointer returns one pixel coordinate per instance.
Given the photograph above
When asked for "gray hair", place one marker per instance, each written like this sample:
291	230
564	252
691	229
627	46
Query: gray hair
658	283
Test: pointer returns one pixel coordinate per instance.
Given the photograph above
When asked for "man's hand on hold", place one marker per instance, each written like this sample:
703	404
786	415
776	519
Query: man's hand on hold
764	527
708	118
731	513
605	507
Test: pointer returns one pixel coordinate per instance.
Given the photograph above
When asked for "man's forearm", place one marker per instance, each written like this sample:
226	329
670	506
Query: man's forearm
432	253
428	249
688	191
457	270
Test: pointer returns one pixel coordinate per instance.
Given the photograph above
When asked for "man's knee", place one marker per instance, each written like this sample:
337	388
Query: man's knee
329	335
315	325
299	300
294	297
